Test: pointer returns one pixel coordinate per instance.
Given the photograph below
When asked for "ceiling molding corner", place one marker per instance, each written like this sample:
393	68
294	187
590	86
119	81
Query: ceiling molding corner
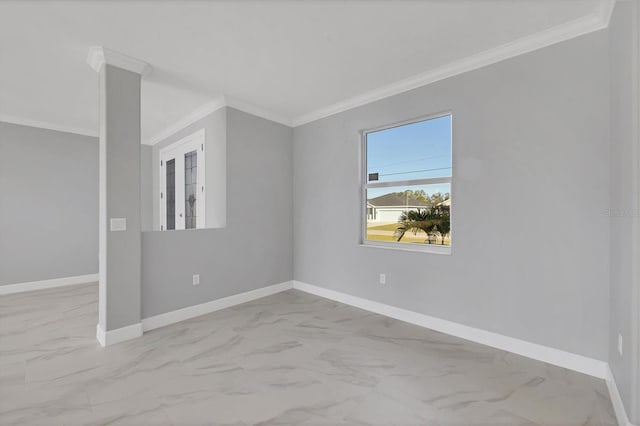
605	10
212	106
581	26
12	119
98	56
258	111
195	115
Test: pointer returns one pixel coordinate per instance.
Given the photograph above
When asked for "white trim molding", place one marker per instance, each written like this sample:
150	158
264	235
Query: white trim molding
605	10
569	30
616	400
211	107
118	335
44	284
563	32
195	115
571	361
98	56
258	111
183	314
12	119
177	151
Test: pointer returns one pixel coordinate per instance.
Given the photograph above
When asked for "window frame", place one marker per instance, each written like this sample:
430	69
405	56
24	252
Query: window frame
193	142
364	185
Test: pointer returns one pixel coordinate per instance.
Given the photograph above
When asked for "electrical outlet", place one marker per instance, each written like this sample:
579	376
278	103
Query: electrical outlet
620	344
196	279
383	278
118	224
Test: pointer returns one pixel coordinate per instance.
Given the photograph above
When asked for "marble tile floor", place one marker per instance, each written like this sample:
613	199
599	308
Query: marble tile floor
291	358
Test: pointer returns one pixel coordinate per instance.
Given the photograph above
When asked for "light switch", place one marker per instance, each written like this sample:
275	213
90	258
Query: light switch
118	224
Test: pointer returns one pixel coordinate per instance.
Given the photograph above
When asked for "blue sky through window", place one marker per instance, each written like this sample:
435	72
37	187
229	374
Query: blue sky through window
412	151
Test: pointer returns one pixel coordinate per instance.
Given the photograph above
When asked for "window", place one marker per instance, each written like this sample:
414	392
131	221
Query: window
407	185
182	191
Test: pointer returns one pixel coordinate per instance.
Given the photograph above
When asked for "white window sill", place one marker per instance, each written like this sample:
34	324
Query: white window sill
422	248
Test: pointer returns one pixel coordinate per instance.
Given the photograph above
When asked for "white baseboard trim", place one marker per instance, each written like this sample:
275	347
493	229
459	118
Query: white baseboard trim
101	336
571	361
118	335
616	400
173	317
44	284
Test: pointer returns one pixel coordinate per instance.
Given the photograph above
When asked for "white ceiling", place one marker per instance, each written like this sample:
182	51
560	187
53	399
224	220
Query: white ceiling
292	58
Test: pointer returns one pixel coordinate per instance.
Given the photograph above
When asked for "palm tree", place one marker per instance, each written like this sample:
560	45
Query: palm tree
433	221
416	220
444	225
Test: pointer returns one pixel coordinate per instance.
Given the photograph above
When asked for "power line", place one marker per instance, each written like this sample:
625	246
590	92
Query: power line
414	171
410	161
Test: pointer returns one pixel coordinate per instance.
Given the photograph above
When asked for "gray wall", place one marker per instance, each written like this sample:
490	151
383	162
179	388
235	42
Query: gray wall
253	250
623	184
120	178
48	204
530	257
146	187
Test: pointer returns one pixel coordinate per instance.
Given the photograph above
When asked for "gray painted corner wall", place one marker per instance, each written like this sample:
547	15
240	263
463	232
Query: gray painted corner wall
533	170
623	204
530	185
253	250
48	204
215	126
120	197
146	187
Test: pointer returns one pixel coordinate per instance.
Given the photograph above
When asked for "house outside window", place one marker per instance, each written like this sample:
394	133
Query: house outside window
407	185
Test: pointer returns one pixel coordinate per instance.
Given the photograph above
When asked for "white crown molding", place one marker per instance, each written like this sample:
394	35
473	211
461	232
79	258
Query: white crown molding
45	284
118	335
258	111
557	34
605	10
211	107
575	362
12	119
195	115
99	56
189	312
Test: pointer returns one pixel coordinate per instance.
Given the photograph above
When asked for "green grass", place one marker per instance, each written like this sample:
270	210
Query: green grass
387	227
409	237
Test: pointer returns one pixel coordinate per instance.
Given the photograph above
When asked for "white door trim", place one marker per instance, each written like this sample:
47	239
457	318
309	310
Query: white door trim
175	151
